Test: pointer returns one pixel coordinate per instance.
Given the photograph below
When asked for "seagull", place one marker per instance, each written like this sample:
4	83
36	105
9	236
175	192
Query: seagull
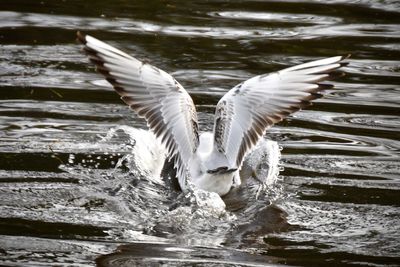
210	161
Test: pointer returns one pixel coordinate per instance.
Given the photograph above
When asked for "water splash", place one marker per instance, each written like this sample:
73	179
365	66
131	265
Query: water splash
150	208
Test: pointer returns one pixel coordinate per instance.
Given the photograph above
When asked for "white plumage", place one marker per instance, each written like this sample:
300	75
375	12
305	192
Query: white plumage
211	161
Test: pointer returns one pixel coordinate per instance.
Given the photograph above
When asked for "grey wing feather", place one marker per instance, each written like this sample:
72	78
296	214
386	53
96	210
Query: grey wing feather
248	109
154	95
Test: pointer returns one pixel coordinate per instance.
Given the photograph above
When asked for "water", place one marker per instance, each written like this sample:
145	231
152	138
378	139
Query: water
75	193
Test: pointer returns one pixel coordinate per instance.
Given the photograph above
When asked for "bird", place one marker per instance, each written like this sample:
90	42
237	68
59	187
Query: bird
210	161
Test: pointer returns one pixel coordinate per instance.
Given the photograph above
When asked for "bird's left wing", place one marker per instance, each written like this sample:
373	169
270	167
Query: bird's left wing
152	94
246	111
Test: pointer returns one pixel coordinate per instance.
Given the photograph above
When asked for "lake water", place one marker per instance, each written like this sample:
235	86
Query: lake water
72	195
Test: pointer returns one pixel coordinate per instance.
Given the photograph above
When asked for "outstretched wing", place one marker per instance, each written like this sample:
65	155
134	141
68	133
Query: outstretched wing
152	94
247	110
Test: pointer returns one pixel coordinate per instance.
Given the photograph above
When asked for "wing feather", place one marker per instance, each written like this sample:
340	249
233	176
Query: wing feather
154	95
248	109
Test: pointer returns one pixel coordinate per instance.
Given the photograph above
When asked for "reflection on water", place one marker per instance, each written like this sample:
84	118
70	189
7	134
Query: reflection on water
74	180
167	255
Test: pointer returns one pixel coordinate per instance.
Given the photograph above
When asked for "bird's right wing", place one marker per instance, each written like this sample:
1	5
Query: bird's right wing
247	110
152	94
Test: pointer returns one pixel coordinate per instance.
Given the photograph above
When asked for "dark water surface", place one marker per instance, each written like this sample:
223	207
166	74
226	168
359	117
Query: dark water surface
70	194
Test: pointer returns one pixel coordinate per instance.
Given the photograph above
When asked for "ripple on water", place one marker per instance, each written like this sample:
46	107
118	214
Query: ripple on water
350	228
373	122
374	167
14	19
164	254
295	19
